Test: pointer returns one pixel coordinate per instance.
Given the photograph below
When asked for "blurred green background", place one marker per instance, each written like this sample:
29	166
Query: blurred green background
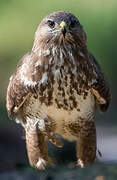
18	22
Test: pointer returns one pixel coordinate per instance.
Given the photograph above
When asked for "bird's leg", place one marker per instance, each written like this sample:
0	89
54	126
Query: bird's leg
86	143
36	146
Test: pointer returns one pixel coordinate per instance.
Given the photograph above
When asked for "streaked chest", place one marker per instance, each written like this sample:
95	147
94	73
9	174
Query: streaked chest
63	94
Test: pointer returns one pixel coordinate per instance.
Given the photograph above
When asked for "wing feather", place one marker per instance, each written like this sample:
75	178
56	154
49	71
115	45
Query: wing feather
21	83
100	88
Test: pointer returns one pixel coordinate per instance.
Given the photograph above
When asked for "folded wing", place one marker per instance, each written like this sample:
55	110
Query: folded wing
100	88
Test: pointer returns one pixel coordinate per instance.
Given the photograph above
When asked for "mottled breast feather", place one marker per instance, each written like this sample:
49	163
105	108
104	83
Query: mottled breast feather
36	72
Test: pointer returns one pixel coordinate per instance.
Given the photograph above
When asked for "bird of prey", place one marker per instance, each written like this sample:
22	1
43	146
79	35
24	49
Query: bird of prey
56	90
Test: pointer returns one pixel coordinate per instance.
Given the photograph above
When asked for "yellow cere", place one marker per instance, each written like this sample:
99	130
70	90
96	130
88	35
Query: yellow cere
63	23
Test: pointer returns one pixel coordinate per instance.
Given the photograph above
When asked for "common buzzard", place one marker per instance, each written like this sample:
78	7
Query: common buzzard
56	90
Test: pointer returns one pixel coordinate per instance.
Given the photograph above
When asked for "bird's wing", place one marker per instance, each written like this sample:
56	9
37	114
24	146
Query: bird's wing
22	83
100	87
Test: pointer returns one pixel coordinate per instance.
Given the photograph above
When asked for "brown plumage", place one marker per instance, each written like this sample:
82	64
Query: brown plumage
56	89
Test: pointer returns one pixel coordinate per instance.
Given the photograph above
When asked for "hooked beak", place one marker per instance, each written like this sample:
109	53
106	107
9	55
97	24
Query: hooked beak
62	28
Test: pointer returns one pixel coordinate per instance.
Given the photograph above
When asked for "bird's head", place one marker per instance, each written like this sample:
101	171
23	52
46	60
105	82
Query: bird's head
60	27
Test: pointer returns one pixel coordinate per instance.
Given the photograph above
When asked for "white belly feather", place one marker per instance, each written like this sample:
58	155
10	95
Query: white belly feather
61	117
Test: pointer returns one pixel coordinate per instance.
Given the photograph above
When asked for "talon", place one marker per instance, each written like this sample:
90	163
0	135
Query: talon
80	163
41	164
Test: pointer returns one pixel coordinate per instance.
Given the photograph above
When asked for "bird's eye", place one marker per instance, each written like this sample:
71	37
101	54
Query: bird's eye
51	24
73	23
